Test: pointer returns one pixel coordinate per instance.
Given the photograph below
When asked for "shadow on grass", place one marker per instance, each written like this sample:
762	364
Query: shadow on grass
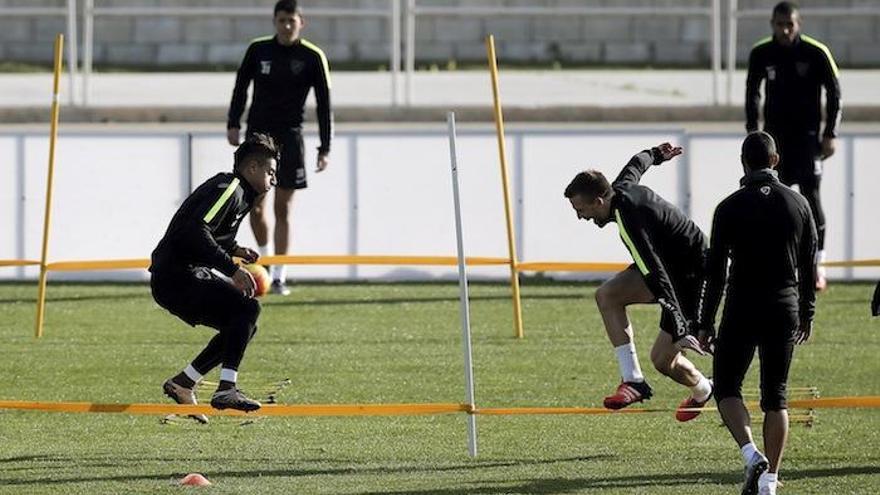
53	461
572	485
533	486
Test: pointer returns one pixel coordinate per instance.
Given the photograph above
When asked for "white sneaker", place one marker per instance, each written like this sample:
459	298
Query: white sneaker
757	466
765	486
767	489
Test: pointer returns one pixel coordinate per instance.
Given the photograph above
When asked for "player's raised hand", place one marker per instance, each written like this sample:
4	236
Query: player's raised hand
664	152
244	281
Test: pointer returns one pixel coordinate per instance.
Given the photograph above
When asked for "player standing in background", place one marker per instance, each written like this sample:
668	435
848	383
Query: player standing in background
767	231
201	238
796	68
283	68
669	254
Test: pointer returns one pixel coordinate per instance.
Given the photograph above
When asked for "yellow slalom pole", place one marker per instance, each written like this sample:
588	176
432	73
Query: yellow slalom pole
502	151
53	137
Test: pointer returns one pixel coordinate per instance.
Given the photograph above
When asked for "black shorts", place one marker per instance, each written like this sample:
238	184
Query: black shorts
798	159
291	165
769	328
200	297
687	289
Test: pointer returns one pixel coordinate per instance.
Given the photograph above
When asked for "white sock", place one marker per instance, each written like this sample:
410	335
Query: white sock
191	372
279	272
628	363
263	250
767	479
700	392
748	450
228	375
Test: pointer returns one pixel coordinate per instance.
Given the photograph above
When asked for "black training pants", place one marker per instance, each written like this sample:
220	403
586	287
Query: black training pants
200	297
768	327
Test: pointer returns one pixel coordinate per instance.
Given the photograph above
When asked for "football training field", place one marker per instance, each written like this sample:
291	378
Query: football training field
401	343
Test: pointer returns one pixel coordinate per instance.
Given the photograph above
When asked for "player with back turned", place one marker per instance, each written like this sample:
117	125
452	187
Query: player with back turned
766	230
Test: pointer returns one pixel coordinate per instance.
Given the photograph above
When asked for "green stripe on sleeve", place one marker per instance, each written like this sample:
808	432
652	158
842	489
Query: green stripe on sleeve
818	44
308	44
222	201
630	245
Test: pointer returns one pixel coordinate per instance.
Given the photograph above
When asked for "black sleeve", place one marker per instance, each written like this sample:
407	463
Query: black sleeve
832	94
807	267
636	167
716	270
322	99
753	91
635	236
195	236
239	94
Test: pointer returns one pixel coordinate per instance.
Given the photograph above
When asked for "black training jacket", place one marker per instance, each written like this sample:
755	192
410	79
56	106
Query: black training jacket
795	76
282	76
202	232
767	231
664	243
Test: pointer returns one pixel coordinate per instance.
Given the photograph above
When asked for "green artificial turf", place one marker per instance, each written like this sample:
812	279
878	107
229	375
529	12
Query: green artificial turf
394	343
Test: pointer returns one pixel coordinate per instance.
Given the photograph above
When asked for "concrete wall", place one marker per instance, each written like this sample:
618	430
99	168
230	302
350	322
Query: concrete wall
211	42
388	192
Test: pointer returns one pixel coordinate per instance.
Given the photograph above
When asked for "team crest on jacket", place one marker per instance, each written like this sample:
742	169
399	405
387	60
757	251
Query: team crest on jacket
802	68
296	66
265	66
765	190
771	72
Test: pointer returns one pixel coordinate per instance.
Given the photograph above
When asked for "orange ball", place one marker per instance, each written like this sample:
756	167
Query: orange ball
194	479
261	277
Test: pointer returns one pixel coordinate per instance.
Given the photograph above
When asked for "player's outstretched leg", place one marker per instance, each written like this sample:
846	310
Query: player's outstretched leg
612	298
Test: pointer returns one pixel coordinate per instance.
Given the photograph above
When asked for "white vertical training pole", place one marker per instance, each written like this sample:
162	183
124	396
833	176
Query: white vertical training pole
463	294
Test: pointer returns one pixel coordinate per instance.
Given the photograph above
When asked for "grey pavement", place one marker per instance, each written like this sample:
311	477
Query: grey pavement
519	89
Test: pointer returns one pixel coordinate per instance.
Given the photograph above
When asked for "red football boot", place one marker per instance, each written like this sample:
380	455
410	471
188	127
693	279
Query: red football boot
628	393
690	408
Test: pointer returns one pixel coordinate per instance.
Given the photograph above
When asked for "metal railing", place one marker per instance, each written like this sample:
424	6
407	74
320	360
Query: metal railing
69	12
90	12
712	12
734	14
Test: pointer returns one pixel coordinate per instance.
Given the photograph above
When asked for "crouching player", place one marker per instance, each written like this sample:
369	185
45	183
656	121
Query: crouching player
201	237
669	254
